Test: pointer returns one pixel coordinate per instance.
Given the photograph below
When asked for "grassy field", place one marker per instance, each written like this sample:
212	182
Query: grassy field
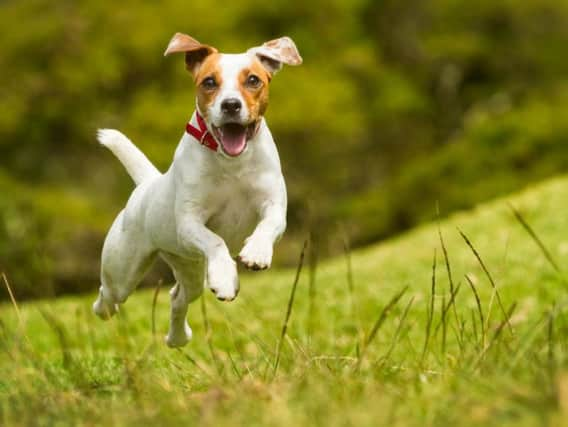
381	336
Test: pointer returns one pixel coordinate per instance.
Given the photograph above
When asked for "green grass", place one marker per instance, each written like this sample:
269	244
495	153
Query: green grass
362	346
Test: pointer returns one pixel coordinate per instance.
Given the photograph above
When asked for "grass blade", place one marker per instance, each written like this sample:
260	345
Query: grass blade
479	308
505	317
431	309
444	324
381	319
289	309
351	289
154	303
12	297
497	333
535	238
446	308
398	330
313	258
447	262
194	363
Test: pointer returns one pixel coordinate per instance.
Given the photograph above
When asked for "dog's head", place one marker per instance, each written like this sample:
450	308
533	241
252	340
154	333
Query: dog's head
232	89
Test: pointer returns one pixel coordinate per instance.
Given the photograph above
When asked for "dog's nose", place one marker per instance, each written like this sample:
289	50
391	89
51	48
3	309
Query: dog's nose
231	106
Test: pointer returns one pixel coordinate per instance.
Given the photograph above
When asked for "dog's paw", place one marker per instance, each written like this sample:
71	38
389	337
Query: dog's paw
256	254
176	339
222	278
103	308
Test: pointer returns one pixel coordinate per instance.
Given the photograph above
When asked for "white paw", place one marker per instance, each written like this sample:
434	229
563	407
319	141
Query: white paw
104	309
222	278
179	338
256	254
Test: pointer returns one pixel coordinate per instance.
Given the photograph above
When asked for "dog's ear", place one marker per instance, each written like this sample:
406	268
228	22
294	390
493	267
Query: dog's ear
274	53
195	52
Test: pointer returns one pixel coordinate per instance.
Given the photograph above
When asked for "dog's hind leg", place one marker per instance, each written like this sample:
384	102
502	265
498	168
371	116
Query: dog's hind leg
189	276
127	256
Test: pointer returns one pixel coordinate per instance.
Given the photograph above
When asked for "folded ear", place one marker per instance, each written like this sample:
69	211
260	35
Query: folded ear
274	53
195	52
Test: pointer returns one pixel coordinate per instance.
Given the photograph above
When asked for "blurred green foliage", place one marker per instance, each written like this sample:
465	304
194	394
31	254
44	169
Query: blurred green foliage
398	106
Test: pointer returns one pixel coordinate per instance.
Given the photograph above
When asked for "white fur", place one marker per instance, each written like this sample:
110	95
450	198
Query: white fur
196	216
135	162
231	65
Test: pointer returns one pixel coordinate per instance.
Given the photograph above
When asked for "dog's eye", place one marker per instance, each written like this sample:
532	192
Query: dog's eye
209	83
253	81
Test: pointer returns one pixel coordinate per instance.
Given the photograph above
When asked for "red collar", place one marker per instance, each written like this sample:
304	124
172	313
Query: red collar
202	135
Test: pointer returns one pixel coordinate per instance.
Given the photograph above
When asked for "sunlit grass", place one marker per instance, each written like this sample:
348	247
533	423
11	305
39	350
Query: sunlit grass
465	325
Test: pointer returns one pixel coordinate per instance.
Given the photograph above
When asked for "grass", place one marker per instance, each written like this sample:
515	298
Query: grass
464	323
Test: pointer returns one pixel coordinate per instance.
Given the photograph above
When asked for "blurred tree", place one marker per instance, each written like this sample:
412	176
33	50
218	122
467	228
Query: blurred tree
397	106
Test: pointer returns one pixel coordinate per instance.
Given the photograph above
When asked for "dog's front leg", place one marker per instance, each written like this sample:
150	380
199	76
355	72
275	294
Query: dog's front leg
257	251
222	276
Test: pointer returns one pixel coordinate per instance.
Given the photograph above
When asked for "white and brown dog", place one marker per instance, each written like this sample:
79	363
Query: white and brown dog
223	190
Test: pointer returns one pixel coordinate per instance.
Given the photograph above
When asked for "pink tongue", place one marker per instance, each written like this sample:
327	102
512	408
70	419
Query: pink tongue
234	139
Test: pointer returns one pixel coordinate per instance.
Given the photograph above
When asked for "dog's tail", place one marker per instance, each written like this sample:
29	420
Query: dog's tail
136	163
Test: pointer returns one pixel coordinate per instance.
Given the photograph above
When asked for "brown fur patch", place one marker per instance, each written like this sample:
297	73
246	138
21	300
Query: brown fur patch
205	96
256	98
195	52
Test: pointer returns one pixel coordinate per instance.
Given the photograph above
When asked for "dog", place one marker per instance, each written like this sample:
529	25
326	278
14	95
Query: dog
223	196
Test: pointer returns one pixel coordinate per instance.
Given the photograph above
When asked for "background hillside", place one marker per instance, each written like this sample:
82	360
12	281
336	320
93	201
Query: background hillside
398	106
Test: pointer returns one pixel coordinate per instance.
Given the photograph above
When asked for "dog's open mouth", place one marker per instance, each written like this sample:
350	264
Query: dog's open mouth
234	137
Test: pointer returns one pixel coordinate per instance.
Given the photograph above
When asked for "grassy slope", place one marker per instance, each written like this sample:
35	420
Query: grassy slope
67	365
